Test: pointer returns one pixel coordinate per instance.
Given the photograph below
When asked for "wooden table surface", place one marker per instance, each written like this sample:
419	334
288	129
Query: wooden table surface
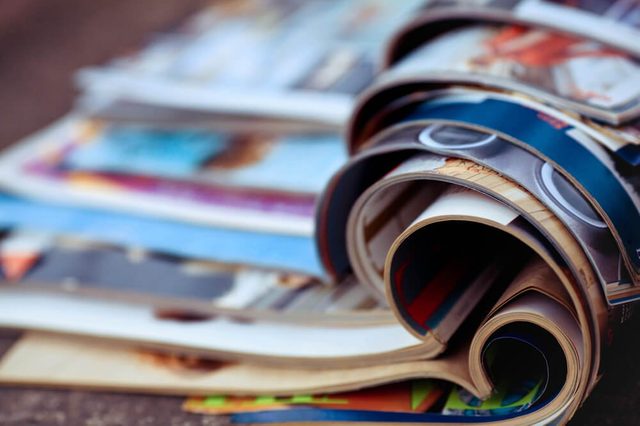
41	44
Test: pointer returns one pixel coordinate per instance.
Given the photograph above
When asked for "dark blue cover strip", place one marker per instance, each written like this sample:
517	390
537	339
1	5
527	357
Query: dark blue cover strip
329	416
630	153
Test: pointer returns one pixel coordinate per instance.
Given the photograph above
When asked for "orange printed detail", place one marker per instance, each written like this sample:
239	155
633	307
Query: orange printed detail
535	48
554	122
15	266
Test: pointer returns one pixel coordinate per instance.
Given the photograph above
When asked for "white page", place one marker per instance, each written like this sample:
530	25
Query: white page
74	315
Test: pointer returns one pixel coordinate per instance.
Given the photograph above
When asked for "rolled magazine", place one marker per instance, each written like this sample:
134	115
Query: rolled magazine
458	179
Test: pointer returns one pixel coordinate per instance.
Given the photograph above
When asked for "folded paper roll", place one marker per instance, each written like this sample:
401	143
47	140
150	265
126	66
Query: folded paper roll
481	211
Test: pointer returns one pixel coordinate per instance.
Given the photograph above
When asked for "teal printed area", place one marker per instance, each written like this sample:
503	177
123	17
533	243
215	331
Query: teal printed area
182	239
297	163
130	149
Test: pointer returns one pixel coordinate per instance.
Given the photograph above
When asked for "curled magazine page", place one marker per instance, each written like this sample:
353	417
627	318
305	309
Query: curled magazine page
567	71
554	140
613	23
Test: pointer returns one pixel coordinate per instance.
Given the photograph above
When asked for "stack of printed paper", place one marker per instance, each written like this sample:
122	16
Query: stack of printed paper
197	227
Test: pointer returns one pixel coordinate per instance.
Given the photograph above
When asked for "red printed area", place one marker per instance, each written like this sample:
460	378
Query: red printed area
435	291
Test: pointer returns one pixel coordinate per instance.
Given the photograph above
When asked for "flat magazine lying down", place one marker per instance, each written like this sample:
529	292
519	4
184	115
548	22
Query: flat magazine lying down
472	260
286	61
250	180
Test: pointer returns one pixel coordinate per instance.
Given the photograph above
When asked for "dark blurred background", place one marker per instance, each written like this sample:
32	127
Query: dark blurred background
41	44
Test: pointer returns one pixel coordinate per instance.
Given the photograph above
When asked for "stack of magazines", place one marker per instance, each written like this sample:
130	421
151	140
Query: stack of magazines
467	251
